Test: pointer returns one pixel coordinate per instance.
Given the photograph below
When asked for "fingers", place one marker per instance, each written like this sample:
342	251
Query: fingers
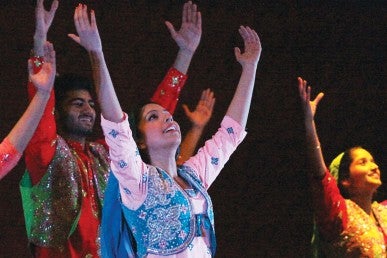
207	99
49	53
318	98
80	10
93	20
171	29
191	14
49	16
187	111
199	20
54	7
209	102
194	13
189	11
301	87
75	38
305	91
39	4
237	52
249	35
243	32
81	19
76	18
184	17
252	47
30	68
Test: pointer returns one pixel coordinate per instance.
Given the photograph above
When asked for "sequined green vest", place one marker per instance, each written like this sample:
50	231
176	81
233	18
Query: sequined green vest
52	206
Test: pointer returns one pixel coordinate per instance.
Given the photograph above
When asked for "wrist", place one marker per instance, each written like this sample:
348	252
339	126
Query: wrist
197	127
183	60
37	61
39	45
185	52
44	93
96	55
249	66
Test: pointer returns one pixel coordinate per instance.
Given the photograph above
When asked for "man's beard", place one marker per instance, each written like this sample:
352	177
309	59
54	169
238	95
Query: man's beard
81	132
70	128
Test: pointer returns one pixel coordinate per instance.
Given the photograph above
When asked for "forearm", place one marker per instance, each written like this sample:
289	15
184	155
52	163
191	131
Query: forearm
240	103
107	96
25	128
314	152
183	60
188	146
129	169
39	40
211	158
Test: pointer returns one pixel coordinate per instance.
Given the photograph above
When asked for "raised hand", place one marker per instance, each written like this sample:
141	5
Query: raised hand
190	32
252	47
88	35
44	79
43	22
203	111
199	118
308	106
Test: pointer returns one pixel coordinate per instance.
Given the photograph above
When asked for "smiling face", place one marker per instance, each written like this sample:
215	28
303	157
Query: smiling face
77	114
158	128
364	173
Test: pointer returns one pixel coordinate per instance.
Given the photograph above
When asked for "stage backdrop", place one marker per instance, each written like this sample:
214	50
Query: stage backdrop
261	199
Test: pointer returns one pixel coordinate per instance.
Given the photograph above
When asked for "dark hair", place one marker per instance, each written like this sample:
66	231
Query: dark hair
344	172
70	82
134	121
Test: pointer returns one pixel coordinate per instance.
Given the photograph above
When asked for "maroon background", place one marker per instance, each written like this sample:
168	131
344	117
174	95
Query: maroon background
261	199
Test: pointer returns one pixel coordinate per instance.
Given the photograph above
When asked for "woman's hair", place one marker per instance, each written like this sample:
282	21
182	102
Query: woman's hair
134	122
343	170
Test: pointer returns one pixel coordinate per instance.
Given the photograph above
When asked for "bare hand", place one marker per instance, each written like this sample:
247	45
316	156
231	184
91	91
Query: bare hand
252	45
88	35
43	22
203	111
44	79
188	37
309	106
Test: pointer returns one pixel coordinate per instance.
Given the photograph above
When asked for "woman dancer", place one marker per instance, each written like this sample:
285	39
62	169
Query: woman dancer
16	141
349	222
167	208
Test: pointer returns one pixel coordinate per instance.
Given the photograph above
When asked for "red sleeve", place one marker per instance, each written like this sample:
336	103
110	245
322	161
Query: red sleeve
41	148
330	207
167	93
9	156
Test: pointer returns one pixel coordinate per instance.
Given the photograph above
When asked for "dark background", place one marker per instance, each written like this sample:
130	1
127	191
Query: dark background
261	199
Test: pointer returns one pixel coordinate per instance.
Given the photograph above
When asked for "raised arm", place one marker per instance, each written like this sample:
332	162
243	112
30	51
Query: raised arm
24	129
40	149
187	38
240	104
199	119
314	152
43	22
88	37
